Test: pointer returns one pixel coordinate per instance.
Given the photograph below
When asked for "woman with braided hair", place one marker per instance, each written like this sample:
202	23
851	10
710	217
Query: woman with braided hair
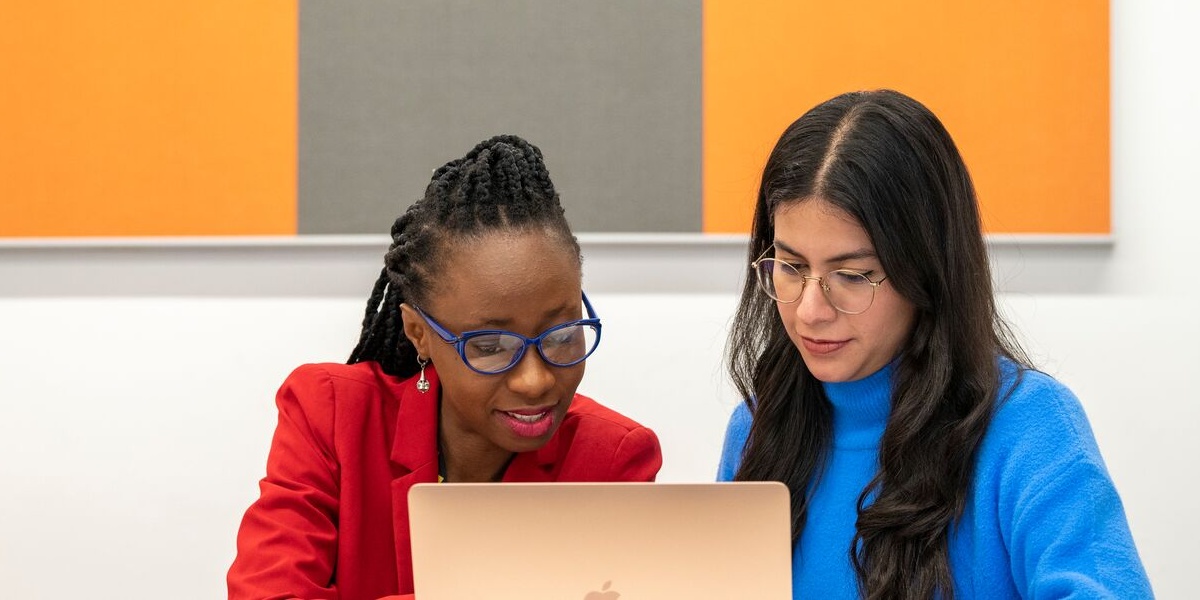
472	348
925	457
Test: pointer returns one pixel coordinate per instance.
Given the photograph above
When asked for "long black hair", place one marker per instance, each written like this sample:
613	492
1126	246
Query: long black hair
889	163
501	184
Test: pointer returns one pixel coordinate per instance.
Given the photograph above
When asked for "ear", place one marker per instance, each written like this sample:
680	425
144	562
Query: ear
416	330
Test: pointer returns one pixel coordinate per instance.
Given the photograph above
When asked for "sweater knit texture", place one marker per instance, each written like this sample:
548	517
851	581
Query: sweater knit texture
1042	520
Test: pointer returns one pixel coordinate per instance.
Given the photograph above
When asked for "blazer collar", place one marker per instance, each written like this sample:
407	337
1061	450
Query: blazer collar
414	444
414	452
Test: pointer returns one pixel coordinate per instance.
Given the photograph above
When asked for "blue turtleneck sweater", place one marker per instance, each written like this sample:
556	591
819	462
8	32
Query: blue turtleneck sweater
1043	519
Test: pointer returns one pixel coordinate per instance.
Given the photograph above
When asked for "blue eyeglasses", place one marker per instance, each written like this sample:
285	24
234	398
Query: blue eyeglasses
492	351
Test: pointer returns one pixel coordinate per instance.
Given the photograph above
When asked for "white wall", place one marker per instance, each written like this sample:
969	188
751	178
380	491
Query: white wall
136	382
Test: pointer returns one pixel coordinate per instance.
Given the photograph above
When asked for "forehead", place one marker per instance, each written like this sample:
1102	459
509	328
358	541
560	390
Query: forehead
506	269
818	227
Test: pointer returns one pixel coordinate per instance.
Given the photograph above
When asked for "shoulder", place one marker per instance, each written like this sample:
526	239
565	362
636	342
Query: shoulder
328	391
1039	430
1032	403
587	414
335	407
1041	472
739	422
364	374
738	430
333	380
595	426
735	442
596	443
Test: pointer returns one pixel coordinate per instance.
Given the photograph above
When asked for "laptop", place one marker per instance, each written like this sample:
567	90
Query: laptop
601	541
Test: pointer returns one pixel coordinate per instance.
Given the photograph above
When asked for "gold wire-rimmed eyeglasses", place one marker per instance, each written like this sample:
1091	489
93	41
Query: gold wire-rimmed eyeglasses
849	292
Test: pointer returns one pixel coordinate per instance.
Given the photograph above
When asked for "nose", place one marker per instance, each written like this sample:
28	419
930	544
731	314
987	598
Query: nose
531	377
813	307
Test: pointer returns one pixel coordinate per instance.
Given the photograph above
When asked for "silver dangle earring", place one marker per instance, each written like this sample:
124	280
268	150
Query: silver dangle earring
422	383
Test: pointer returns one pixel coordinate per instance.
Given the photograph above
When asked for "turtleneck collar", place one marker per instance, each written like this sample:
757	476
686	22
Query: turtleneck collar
861	408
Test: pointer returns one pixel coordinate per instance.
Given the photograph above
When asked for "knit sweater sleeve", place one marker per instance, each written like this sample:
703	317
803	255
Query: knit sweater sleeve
1059	513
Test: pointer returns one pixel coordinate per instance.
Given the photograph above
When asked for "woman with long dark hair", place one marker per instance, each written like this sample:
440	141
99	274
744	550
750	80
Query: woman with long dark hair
926	458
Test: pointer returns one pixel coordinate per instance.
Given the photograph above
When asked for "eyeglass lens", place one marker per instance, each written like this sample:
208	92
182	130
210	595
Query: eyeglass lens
847	291
561	346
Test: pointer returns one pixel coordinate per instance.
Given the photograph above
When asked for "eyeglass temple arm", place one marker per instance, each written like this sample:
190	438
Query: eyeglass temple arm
588	305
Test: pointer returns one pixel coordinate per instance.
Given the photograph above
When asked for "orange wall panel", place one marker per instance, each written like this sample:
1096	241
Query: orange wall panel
1022	85
143	117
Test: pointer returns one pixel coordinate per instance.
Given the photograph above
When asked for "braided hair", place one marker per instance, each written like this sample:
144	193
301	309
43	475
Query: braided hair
500	185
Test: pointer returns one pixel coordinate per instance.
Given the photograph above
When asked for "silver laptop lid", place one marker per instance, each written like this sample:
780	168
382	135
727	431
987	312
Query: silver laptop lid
601	541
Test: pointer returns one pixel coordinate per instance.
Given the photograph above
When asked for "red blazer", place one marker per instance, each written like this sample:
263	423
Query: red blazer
332	517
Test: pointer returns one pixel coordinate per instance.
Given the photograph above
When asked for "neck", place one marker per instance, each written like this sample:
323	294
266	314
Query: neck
468	457
861	408
465	466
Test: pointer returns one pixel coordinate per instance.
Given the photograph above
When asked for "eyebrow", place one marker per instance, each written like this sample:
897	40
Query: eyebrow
843	257
506	323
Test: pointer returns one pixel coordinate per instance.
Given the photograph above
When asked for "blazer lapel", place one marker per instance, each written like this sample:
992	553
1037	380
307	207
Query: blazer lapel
414	456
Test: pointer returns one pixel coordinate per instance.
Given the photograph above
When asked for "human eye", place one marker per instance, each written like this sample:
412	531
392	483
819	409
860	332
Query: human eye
488	344
563	336
851	278
569	343
790	269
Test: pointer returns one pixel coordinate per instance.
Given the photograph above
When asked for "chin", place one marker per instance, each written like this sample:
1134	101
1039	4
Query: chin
832	378
832	373
529	444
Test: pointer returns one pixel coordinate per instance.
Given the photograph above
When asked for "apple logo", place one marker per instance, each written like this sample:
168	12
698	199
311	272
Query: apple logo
604	593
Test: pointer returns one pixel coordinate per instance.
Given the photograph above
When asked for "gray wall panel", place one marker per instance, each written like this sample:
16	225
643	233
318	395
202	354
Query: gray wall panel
609	90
